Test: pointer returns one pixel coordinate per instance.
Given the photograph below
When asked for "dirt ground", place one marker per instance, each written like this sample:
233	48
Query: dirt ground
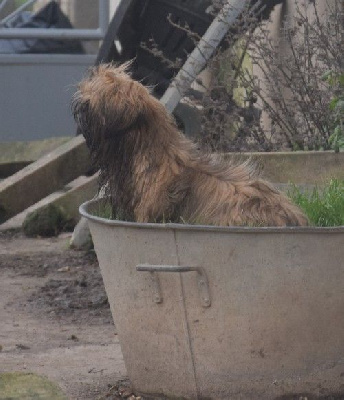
55	318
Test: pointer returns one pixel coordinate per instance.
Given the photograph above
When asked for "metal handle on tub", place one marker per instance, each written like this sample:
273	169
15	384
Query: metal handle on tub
202	280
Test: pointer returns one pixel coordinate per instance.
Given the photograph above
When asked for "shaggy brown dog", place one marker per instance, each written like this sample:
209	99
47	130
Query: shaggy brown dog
155	173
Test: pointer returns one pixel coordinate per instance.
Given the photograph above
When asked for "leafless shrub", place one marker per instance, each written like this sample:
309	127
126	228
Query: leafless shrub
230	117
253	76
291	89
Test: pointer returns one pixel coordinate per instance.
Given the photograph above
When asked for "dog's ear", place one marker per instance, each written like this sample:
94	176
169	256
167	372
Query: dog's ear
79	110
83	117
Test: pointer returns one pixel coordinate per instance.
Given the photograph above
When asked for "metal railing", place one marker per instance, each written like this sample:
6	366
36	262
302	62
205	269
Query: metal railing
29	33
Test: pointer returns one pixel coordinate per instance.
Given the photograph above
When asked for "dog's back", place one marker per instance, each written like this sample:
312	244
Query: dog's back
154	173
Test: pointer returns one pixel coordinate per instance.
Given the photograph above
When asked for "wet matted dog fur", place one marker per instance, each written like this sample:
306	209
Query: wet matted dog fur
154	173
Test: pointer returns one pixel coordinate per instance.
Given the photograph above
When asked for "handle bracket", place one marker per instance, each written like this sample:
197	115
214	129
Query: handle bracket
202	280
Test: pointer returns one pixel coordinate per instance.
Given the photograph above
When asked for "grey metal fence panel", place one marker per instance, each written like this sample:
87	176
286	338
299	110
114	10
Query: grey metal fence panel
35	95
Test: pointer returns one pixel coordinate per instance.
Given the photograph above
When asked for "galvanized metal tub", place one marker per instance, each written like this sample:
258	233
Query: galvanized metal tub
207	312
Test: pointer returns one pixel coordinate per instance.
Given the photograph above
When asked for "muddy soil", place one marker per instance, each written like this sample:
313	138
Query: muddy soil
55	318
69	283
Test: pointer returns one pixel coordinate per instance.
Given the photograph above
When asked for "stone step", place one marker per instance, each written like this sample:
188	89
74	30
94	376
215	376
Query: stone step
43	177
68	198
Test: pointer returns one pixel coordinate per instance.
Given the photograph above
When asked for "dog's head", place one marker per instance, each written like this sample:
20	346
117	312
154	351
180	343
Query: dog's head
110	103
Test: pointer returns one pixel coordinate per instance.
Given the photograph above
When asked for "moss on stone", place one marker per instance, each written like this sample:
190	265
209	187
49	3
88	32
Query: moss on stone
47	221
26	386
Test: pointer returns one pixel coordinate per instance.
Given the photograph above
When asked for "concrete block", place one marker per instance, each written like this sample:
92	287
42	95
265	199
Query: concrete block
43	177
312	167
81	238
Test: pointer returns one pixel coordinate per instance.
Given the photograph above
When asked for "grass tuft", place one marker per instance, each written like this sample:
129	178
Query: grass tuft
323	206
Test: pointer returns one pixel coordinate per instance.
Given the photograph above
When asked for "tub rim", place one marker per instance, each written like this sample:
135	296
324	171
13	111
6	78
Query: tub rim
83	210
